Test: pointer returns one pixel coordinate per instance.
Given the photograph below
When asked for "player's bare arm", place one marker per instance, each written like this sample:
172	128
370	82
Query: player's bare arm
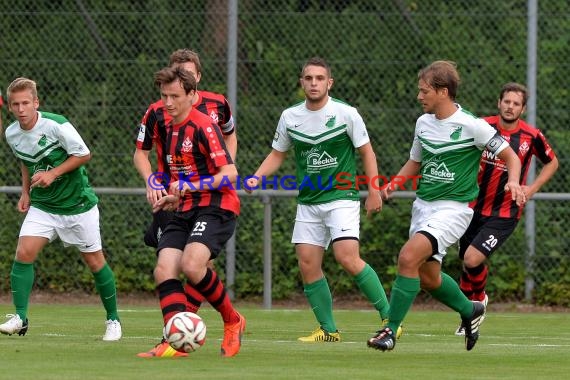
144	167
166	203
24	201
410	169
544	176
514	170
269	166
231	144
373	201
46	178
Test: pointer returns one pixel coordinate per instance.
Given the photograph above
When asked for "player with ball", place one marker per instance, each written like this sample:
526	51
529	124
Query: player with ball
204	218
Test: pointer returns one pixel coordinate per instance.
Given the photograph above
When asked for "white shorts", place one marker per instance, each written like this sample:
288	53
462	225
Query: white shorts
446	221
319	224
81	230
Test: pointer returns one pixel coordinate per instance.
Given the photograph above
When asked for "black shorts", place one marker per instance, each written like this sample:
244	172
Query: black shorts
159	221
486	233
210	226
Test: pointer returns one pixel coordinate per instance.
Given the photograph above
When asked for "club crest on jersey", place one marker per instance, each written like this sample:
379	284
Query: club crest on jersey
186	145
524	148
456	133
43	140
214	117
331	119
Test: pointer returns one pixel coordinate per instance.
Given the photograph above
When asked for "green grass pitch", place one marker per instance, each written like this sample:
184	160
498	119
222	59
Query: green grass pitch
64	342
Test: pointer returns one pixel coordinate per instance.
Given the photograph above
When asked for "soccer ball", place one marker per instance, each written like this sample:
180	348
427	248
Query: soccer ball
185	332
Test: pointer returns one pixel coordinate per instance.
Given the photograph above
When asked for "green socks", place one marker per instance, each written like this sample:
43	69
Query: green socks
403	294
450	295
105	285
319	296
369	284
405	290
21	281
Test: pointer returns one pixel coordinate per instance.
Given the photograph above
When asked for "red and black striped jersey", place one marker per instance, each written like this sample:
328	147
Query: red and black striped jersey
526	141
195	150
217	107
152	128
152	131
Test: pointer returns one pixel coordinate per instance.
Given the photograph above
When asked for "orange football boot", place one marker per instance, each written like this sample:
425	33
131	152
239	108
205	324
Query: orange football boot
232	337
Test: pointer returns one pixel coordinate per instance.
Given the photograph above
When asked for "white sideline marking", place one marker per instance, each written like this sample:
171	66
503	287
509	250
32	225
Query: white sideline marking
528	345
138	311
94	336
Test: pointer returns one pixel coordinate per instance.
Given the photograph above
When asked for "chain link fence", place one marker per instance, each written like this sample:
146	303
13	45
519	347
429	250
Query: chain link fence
94	62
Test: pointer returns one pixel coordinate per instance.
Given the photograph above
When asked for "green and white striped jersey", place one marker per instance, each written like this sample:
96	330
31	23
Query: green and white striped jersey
449	151
47	145
324	143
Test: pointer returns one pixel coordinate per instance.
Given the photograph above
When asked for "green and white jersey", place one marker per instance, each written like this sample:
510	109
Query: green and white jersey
324	143
449	151
47	145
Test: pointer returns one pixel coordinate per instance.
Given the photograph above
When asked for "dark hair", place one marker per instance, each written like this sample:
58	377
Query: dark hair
514	87
171	74
441	74
317	61
181	56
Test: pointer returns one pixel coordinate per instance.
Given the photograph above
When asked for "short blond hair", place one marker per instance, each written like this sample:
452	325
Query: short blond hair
20	84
